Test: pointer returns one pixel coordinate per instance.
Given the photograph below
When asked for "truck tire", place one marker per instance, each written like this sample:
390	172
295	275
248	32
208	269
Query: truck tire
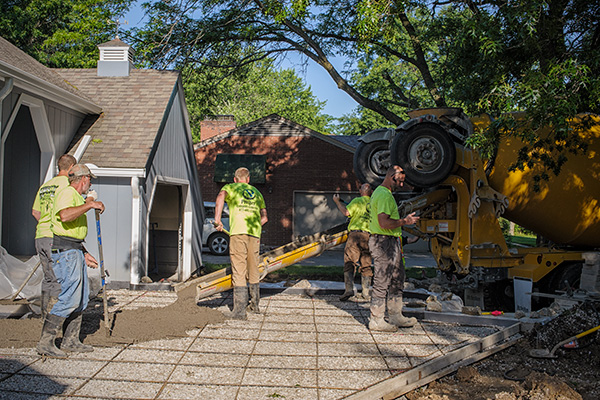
218	244
425	152
371	161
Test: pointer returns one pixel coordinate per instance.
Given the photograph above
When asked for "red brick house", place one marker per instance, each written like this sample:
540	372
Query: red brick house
295	168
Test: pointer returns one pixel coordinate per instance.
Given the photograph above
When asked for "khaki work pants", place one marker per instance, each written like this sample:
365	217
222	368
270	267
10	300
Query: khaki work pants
356	253
243	251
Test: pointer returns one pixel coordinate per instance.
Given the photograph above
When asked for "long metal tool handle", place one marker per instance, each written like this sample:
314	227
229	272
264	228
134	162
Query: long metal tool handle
102	272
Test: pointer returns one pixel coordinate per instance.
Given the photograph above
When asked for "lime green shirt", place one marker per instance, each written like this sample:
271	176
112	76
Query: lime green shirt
44	203
245	203
382	201
66	198
359	214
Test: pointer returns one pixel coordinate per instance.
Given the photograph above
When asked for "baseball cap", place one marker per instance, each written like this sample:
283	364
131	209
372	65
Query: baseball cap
80	170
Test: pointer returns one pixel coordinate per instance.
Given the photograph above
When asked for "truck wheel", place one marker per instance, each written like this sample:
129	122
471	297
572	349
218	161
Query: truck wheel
218	243
371	161
426	153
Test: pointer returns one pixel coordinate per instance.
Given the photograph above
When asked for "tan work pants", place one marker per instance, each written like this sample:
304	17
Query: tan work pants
243	251
356	253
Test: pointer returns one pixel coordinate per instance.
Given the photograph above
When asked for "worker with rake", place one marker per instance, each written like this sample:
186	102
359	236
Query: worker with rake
69	259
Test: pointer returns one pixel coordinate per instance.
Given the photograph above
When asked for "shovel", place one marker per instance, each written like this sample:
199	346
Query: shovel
544	353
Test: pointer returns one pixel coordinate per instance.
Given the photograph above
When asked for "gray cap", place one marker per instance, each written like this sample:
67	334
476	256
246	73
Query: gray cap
80	170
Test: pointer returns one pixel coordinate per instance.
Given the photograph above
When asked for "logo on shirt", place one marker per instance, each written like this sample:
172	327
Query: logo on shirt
249	194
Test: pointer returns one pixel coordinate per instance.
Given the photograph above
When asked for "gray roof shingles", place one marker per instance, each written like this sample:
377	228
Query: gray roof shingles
133	108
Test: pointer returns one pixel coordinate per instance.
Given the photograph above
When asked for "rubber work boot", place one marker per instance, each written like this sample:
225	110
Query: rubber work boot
366	287
349	284
396	317
46	345
254	298
376	320
240	301
71	341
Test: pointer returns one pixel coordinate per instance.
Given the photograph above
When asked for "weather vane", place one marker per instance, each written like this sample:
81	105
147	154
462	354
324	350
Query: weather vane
117	23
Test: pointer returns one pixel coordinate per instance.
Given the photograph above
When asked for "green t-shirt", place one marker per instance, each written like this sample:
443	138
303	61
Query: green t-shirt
245	203
44	203
359	214
66	198
382	201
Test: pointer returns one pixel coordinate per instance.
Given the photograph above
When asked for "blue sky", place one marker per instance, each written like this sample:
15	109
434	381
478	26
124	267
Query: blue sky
321	84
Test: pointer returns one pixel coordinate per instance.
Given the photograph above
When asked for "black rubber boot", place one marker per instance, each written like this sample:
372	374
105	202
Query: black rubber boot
71	341
46	346
240	301
254	298
349	286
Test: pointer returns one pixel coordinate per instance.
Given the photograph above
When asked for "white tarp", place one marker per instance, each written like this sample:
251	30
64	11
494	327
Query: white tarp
14	272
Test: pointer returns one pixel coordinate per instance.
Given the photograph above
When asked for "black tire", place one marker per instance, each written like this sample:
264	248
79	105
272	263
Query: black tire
371	161
426	153
218	244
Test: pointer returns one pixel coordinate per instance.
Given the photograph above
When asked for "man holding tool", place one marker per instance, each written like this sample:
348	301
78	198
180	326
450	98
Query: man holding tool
356	252
247	215
385	244
42	212
69	226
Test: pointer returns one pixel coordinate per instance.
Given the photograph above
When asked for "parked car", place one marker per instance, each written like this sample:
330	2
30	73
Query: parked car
216	242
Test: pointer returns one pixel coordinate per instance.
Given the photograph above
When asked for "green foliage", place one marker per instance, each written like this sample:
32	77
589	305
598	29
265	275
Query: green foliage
61	33
250	93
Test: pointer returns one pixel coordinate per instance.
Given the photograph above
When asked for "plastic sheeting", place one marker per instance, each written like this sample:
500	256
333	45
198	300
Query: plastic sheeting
14	272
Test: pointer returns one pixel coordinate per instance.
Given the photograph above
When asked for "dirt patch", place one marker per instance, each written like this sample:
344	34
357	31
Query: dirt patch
129	326
513	374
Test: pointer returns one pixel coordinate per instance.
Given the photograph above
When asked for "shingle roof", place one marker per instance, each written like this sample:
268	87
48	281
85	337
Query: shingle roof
350	140
275	124
15	57
133	109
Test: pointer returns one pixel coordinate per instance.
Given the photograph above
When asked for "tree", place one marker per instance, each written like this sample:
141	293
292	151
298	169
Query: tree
249	93
61	33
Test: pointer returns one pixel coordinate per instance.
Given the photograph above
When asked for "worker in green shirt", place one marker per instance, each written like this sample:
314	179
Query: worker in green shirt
385	244
356	251
42	212
247	215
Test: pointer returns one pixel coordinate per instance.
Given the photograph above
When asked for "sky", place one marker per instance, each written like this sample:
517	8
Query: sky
338	102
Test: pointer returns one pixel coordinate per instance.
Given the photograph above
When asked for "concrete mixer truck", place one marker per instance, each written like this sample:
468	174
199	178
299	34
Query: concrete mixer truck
460	205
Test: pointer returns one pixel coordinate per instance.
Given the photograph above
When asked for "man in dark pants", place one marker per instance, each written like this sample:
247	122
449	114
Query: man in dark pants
356	251
385	244
69	259
42	212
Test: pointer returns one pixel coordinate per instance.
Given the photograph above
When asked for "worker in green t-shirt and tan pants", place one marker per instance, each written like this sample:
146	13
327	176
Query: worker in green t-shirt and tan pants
247	215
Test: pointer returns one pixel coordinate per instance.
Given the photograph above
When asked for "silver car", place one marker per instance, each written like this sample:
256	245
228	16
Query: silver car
216	242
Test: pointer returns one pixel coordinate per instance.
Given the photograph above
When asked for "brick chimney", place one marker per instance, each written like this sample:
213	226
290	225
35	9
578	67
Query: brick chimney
215	125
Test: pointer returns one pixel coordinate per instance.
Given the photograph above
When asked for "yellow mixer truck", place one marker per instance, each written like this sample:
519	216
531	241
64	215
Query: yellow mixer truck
460	204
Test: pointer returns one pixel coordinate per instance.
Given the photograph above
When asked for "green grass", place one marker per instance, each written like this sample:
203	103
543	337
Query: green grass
521	240
319	272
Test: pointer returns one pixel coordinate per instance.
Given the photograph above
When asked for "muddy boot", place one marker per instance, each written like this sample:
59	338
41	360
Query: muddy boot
71	341
366	287
349	284
254	298
396	317
46	346
376	320
47	302
240	301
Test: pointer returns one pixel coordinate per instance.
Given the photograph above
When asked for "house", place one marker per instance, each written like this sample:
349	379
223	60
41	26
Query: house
131	128
295	168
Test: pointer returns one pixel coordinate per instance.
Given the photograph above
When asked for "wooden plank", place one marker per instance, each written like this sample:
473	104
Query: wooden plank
419	376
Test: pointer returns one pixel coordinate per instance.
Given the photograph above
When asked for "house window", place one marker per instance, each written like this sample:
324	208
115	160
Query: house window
226	164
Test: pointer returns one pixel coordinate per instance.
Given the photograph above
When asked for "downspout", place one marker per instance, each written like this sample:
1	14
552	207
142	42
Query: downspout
135	232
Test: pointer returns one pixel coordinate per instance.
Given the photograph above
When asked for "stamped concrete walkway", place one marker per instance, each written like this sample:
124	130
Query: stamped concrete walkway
300	348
